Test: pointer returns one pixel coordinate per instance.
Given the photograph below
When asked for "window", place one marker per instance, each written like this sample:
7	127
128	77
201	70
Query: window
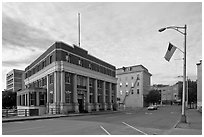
126	84
42	98
138	91
138	76
51	59
138	84
132	85
33	98
90	66
67	96
121	84
121	92
132	91
51	96
91	99
80	62
90	83
67	78
51	78
67	57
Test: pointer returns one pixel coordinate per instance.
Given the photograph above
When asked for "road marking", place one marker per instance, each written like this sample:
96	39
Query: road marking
148	113
105	130
128	113
135	128
21	129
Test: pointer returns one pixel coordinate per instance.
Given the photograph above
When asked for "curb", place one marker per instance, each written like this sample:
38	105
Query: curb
50	117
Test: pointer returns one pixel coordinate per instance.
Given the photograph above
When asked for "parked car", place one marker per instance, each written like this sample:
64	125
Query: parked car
152	107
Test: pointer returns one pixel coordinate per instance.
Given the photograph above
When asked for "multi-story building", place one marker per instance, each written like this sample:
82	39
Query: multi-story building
169	94
199	85
15	80
133	85
67	79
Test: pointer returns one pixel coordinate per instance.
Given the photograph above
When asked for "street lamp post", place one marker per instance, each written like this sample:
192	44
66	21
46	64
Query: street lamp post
183	116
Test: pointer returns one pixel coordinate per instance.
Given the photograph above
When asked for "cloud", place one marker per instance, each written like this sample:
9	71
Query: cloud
17	33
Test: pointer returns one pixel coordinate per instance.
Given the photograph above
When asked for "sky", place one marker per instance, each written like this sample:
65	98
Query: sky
120	33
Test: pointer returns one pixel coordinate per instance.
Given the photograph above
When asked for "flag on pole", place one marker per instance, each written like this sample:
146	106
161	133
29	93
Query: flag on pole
170	52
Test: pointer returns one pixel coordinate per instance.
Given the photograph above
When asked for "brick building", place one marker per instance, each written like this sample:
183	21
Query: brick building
133	85
67	79
15	80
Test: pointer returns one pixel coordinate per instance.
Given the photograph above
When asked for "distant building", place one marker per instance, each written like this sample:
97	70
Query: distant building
199	85
132	85
169	94
67	79
15	80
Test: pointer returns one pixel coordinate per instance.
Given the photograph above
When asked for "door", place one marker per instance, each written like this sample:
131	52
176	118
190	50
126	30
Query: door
81	106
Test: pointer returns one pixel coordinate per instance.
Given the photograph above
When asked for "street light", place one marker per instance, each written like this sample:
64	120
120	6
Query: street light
183	116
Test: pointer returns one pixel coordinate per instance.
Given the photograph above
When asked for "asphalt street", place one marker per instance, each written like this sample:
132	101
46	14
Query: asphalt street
130	122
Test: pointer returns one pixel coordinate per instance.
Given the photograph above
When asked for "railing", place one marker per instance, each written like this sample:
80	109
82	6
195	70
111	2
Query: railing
19	112
54	110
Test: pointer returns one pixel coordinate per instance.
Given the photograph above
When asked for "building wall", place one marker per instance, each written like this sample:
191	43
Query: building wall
132	84
199	86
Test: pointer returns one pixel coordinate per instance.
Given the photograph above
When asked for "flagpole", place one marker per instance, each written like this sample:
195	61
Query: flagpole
79	31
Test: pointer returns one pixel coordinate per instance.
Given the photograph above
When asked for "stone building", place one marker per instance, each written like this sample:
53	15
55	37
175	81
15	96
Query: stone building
67	79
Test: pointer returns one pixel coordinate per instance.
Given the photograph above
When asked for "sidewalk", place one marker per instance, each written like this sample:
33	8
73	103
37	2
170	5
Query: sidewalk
192	127
49	116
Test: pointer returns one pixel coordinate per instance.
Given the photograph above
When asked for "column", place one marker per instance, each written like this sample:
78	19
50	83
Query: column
37	99
28	99
110	97
62	101
88	107
57	91
48	95
96	95
21	100
25	99
115	105
104	96
75	101
18	100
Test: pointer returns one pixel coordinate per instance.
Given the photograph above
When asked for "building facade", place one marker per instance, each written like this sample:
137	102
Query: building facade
133	85
67	79
199	86
15	80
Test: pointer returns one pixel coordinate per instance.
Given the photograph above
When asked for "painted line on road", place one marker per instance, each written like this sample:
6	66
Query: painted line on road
105	130
21	129
135	128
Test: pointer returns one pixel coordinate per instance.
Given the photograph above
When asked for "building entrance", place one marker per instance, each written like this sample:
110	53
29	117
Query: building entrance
81	102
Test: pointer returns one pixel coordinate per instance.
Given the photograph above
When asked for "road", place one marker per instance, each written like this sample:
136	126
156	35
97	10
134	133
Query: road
124	123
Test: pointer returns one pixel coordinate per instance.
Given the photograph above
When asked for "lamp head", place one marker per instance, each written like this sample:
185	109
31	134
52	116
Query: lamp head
162	29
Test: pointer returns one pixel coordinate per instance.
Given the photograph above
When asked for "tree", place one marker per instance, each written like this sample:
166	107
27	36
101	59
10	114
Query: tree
192	91
154	96
8	99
